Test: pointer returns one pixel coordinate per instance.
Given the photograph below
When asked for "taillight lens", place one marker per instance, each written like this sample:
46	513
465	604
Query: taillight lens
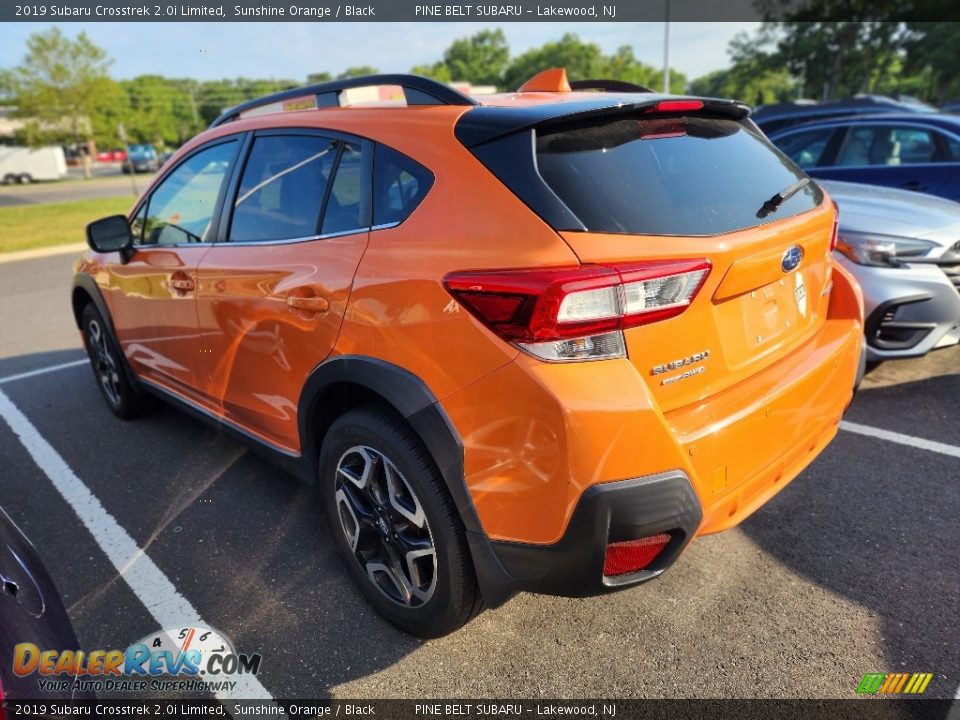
836	226
659	291
633	555
579	313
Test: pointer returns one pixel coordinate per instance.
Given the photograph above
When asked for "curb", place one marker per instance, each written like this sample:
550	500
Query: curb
43	252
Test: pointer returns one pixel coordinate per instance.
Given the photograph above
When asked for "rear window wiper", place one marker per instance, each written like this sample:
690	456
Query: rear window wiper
777	200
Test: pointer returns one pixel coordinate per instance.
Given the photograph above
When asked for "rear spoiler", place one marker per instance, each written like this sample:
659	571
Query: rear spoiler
488	122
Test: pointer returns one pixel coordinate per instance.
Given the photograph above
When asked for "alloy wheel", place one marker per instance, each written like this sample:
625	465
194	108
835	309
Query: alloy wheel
385	526
104	364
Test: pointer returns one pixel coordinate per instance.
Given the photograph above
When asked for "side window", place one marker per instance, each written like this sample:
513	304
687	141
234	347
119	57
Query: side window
137	225
282	188
953	148
856	147
181	208
806	148
399	184
886	145
348	204
911	145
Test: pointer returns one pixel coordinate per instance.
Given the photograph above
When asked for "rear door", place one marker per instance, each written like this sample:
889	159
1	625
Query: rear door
153	294
907	156
272	293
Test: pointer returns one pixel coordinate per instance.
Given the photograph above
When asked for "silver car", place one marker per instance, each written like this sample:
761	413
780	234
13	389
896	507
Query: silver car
904	250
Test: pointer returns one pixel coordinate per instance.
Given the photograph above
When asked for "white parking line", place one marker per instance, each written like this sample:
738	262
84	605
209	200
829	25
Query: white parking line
901	439
168	607
43	371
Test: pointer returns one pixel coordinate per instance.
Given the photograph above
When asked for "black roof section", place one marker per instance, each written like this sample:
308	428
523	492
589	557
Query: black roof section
417	90
620	86
487	122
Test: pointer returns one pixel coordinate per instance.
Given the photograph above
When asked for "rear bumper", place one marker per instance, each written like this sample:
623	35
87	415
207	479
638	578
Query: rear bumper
611	512
545	461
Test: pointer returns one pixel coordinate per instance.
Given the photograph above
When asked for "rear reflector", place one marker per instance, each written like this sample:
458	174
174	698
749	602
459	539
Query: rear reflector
633	555
543	310
667	106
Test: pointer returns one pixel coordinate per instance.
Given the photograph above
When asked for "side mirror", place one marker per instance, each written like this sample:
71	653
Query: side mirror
110	234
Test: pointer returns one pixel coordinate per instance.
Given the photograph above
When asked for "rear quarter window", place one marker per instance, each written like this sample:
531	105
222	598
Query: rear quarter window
399	185
669	175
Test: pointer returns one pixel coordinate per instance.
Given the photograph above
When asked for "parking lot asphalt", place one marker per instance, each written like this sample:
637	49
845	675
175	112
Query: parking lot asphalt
853	568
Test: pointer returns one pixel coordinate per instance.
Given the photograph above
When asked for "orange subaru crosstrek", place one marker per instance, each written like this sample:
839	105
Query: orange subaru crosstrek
538	342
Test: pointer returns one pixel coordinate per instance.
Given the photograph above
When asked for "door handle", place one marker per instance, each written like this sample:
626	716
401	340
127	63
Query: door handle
314	303
913	185
182	283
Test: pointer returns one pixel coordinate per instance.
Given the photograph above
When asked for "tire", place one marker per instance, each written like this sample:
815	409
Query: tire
406	550
9	179
25	178
124	399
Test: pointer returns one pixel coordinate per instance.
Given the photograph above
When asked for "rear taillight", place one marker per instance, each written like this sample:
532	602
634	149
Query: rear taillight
836	226
580	313
633	555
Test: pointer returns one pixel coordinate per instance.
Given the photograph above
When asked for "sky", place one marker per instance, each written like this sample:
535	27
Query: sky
293	50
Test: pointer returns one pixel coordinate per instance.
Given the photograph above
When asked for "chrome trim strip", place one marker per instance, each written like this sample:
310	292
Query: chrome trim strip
284	241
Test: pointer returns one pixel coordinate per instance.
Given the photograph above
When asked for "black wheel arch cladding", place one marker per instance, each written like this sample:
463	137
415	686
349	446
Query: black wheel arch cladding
414	401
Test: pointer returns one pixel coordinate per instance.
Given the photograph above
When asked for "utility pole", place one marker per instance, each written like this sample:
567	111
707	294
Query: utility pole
666	47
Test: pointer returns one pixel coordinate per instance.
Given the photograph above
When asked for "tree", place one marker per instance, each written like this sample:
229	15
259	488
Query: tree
753	78
587	61
931	49
479	59
161	110
360	71
437	71
582	61
62	85
623	65
765	87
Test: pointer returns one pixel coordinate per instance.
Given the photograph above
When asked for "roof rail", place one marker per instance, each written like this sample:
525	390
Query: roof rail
609	86
417	90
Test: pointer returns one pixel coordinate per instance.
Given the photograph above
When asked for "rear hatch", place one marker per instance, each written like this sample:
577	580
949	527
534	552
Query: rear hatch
679	181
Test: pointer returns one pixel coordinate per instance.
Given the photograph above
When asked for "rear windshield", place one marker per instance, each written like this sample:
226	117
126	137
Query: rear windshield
669	175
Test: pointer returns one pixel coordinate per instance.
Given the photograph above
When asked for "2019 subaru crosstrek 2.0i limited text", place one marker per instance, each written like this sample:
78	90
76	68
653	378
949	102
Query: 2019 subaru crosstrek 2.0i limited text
538	343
